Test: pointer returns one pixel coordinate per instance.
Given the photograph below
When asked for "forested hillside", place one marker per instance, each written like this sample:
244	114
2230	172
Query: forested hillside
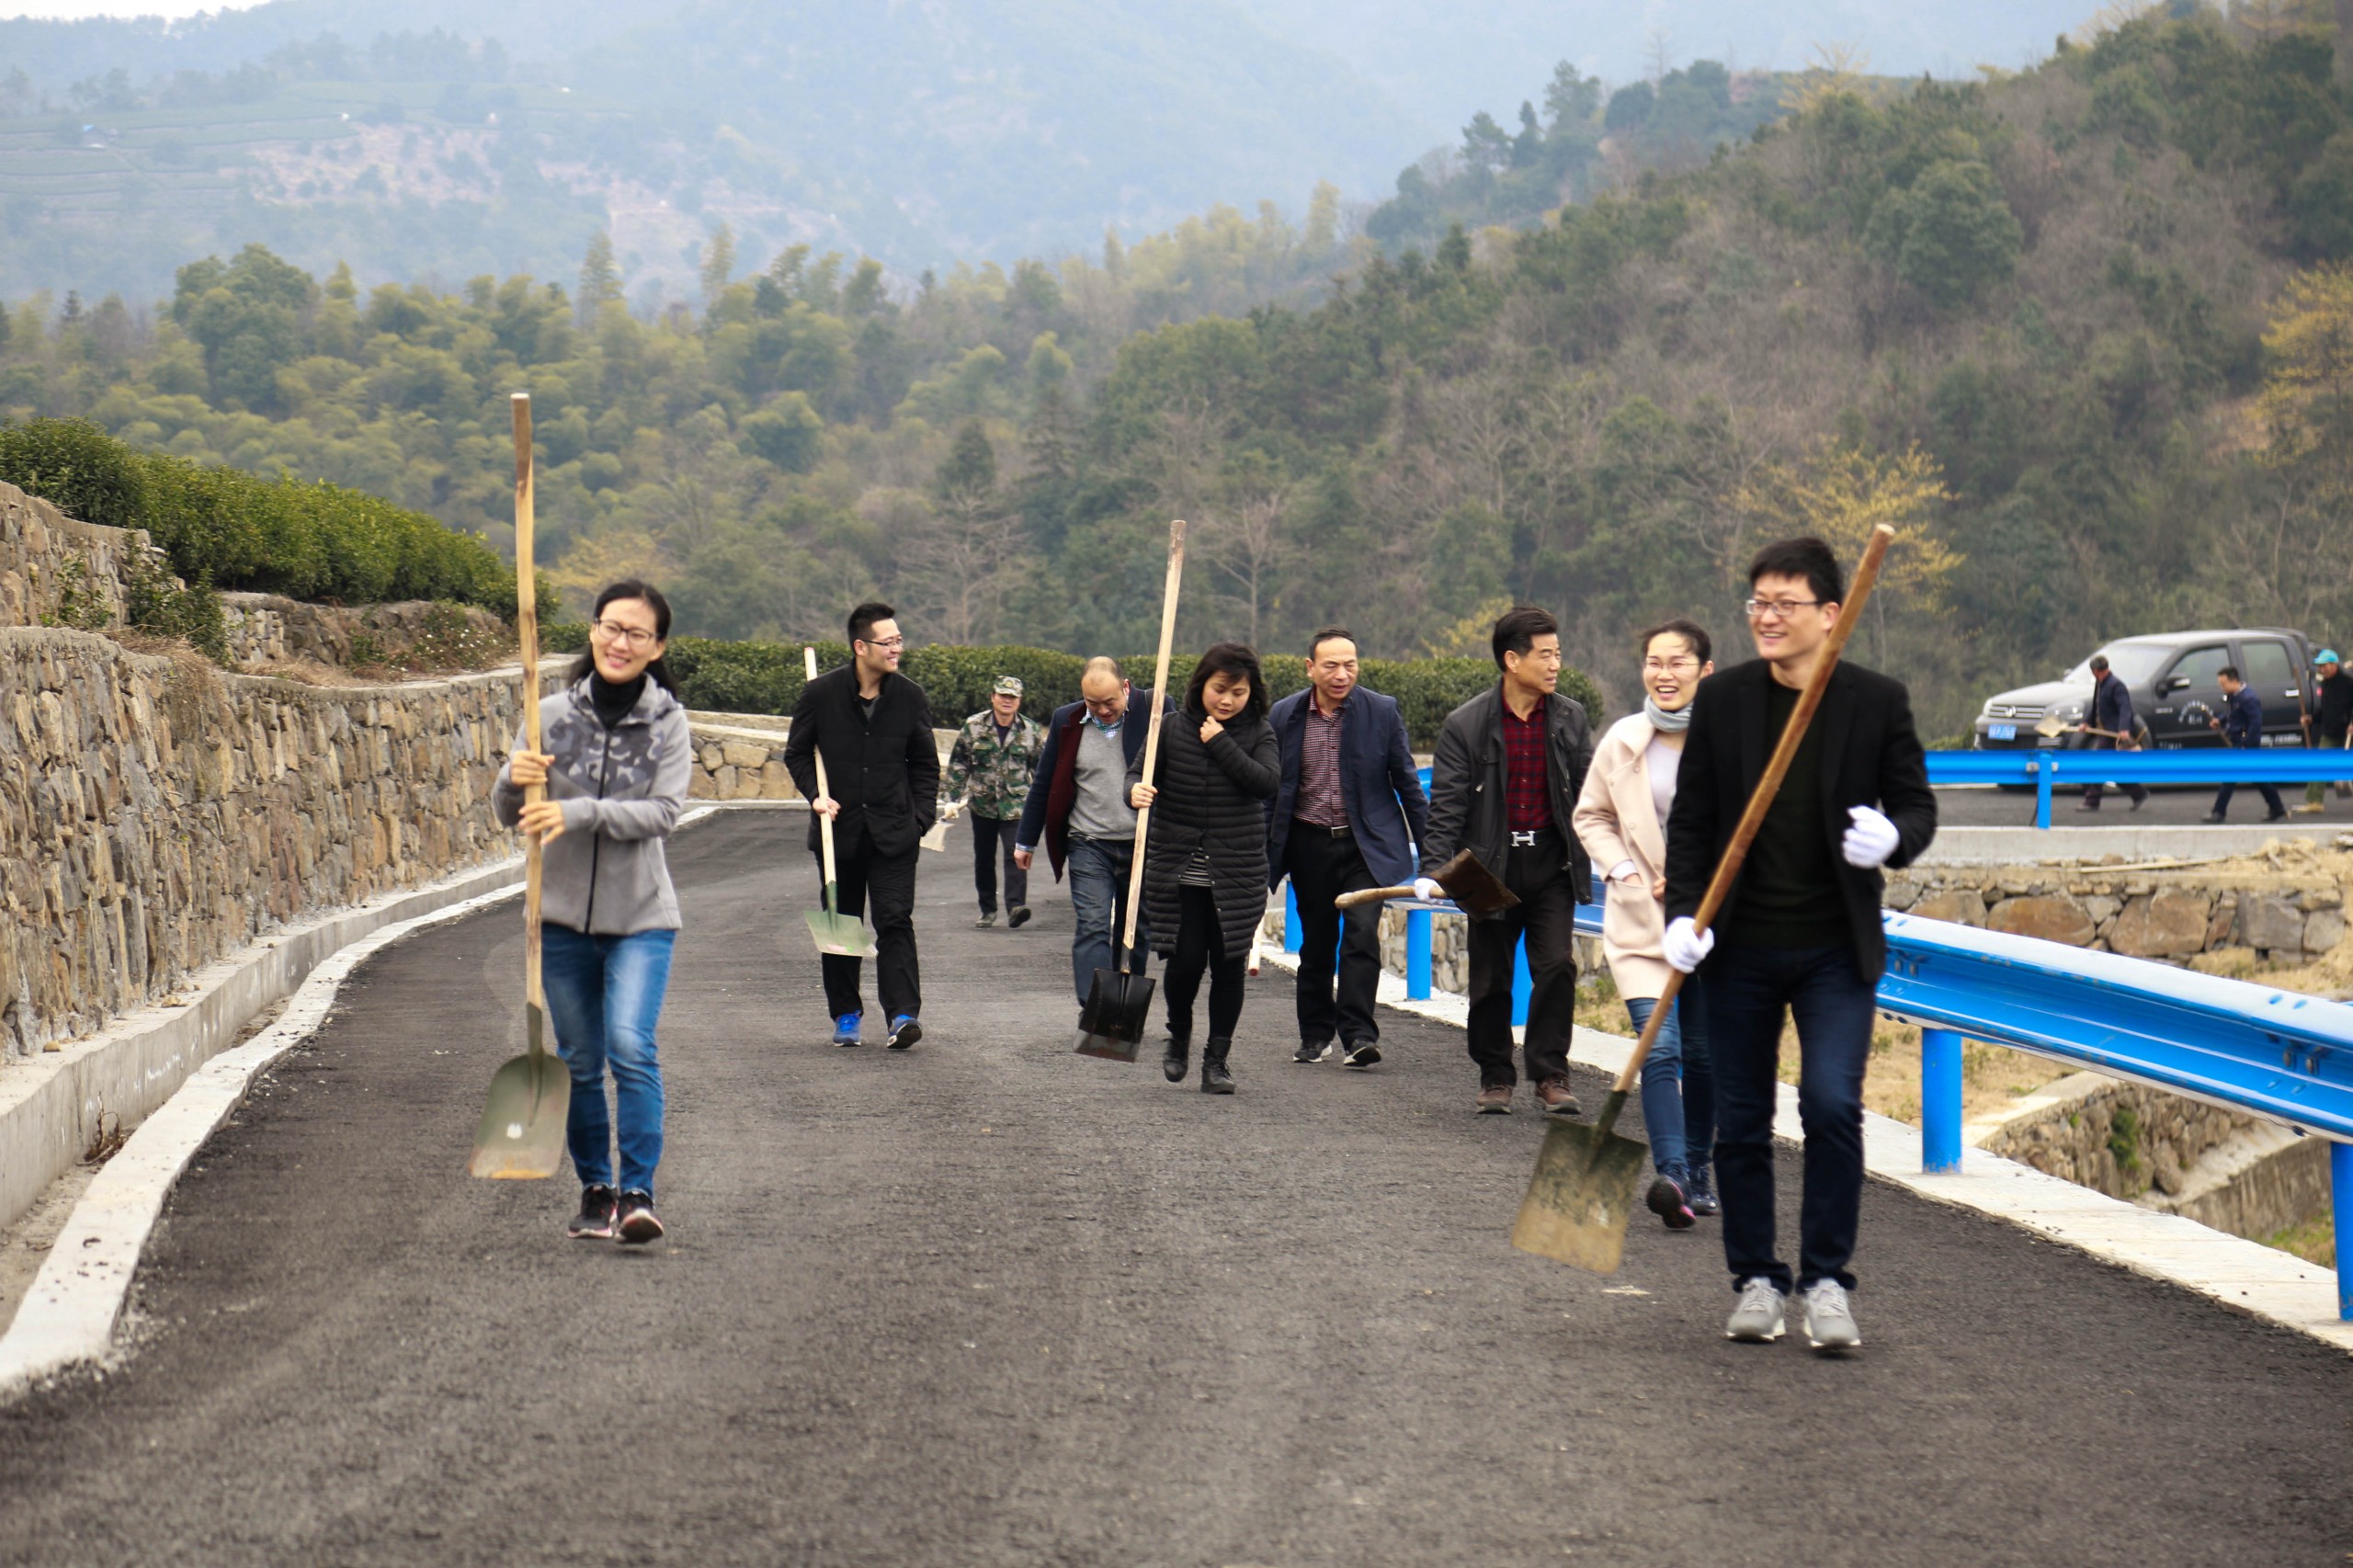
2024	320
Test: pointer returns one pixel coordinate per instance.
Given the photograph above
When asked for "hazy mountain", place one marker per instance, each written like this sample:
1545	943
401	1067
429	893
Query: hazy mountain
1444	62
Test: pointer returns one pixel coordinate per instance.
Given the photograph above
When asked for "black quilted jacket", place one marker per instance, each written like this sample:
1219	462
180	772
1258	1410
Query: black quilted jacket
1212	796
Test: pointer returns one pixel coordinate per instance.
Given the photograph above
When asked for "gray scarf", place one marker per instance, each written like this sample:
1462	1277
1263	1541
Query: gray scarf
1673	723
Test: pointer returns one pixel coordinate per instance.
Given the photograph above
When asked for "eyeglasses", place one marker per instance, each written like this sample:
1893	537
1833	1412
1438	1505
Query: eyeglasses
885	643
1781	609
627	636
1662	667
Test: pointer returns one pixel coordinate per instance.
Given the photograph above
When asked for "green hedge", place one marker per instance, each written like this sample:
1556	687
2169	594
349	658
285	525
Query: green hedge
222	526
765	677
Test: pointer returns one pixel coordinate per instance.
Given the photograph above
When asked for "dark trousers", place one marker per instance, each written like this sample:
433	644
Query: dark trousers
1322	865
2136	793
1547	913
1747	991
992	837
1200	944
2270	799
890	881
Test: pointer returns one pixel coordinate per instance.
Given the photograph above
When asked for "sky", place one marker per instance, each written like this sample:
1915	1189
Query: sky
74	10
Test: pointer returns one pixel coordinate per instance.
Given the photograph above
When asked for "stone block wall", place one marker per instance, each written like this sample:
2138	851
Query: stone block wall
264	628
158	813
42	550
2172	916
2119	1138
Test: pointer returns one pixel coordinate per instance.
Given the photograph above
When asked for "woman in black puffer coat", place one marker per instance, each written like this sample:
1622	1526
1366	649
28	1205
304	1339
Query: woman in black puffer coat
1205	850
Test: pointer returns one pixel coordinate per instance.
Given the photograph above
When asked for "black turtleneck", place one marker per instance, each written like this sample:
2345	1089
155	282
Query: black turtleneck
613	703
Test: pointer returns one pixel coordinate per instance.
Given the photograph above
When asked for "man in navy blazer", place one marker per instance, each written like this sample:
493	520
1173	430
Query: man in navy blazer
1347	815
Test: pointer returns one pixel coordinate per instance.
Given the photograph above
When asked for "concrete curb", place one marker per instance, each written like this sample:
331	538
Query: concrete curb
70	1313
2237	1273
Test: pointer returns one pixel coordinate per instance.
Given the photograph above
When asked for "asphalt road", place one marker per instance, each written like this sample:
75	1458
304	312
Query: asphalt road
991	1304
1979	805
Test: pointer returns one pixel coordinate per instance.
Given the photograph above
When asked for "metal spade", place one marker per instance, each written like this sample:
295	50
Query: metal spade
1119	1003
1470	884
521	1135
845	936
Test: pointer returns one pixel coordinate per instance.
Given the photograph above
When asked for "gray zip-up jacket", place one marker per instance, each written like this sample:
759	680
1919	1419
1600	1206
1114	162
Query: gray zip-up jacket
622	790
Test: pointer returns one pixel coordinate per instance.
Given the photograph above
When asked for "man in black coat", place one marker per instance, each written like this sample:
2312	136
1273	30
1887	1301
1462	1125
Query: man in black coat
873	726
1509	766
2111	711
1346	816
1801	933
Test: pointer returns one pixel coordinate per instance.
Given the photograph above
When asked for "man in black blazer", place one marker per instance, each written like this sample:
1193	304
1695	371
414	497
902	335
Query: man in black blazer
873	726
1801	933
1346	816
1509	766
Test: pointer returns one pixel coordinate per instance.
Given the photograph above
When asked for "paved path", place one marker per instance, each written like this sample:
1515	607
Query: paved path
989	1303
1980	806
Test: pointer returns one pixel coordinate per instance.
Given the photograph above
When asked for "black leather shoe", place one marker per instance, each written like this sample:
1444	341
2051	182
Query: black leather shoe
2214	816
1177	1058
1215	1079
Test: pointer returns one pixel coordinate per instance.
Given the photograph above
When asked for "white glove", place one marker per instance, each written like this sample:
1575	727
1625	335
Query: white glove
1687	946
1870	841
951	811
1427	891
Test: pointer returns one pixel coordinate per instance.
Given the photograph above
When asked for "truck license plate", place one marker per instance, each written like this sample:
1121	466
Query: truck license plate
2001	732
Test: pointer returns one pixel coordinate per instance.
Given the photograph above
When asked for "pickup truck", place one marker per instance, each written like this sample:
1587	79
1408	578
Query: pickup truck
2167	673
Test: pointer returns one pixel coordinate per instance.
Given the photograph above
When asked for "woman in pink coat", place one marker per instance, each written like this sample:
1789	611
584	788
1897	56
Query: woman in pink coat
1621	819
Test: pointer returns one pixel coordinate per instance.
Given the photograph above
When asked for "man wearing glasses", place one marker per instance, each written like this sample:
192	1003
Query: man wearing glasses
1801	933
874	727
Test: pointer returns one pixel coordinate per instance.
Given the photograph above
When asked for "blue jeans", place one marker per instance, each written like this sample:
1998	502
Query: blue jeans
1098	900
1748	988
1678	1084
603	998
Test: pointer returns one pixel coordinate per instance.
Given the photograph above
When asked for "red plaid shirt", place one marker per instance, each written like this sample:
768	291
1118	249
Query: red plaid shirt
1320	800
1527	787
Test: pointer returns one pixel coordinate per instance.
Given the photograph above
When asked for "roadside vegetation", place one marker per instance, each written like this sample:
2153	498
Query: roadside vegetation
2080	333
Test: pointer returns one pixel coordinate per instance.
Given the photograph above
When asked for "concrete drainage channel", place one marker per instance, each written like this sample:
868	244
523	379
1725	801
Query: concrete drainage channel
174	1074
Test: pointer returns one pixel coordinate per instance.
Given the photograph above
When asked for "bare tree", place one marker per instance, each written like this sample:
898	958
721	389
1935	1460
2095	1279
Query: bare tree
1245	539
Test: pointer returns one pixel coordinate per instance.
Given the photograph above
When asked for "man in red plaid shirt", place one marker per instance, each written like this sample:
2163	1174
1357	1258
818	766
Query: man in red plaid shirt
1509	766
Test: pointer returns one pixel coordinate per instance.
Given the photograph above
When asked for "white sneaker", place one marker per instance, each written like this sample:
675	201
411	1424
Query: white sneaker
1829	1321
1757	1319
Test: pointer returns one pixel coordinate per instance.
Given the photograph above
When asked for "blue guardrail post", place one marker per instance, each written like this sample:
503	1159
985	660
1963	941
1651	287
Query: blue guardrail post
2340	1181
1522	987
2043	769
1417	955
1292	931
1939	1100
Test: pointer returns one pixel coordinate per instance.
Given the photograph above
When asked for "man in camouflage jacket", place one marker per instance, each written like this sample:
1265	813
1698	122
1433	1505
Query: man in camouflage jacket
988	773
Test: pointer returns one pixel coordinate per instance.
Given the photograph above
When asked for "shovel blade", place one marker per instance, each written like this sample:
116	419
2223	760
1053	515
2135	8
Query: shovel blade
1580	1197
521	1135
1112	1023
845	936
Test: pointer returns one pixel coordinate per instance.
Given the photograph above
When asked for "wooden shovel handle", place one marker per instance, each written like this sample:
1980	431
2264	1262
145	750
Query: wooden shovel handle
825	822
1151	733
526	635
1760	800
1370	895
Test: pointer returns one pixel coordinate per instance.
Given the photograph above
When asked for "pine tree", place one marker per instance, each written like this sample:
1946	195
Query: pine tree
600	280
718	264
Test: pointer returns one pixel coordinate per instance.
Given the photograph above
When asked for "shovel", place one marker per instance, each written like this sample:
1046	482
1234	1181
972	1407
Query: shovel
1112	1024
845	936
1586	1179
1467	883
521	1135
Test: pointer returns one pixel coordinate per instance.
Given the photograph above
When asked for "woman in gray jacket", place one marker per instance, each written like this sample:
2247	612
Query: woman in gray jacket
616	768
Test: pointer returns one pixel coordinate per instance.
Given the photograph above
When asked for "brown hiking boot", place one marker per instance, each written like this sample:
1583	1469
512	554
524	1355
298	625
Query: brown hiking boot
1554	1095
1494	1100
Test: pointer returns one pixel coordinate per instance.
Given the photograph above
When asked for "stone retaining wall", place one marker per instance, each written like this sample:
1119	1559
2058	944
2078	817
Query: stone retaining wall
266	628
2170	915
43	551
156	813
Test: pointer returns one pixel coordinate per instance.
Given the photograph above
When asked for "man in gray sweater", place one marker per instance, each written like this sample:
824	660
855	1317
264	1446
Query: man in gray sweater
1078	809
